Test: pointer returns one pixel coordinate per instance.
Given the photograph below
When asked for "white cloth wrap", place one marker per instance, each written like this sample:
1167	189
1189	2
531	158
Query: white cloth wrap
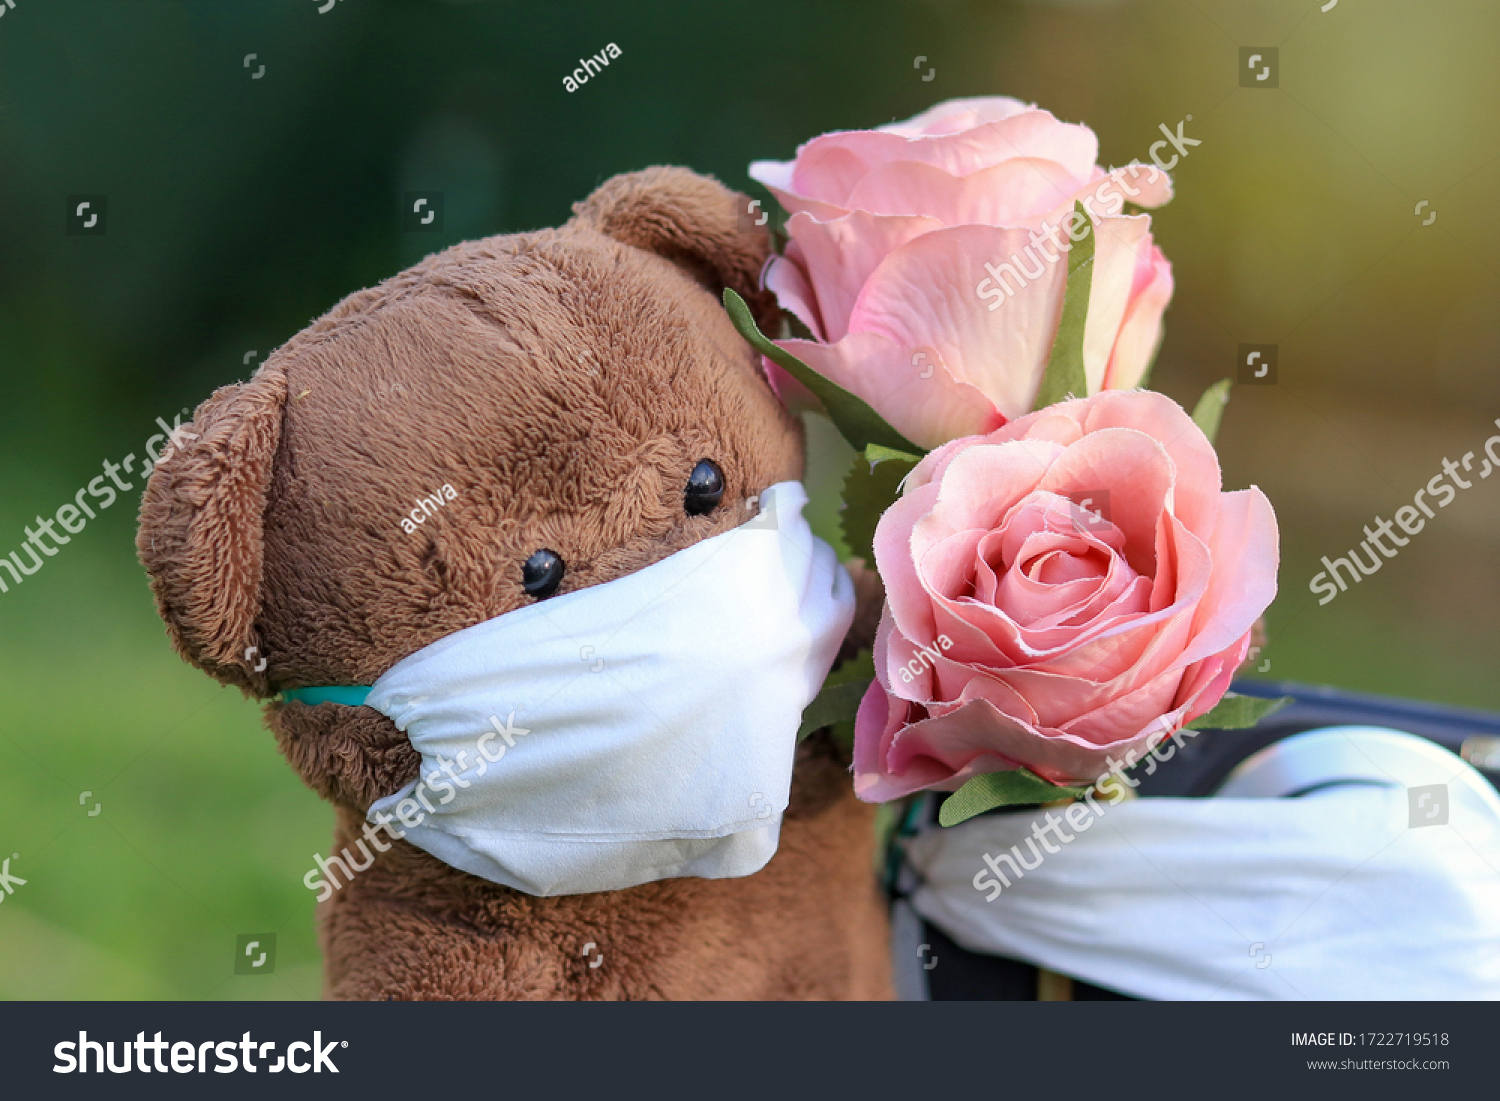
1351	891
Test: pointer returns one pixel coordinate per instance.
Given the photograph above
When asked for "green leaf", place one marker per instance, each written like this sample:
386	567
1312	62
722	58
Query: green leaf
1001	789
851	415
1237	712
1065	375
1210	407
838	702
877	454
861	668
872	484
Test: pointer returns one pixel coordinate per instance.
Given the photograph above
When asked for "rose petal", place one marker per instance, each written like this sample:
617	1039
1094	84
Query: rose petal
1134	646
1117	244
1245	558
1204	683
1198	482
786	279
953	115
839	256
974	739
1136	472
831	165
981	485
947	566
801	204
927	293
927	410
906	600
1015	191
1140	331
1110	191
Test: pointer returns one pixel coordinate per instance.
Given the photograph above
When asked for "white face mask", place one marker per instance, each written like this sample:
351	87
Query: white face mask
638	730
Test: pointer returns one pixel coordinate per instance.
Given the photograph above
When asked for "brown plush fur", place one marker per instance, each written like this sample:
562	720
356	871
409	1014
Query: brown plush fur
564	383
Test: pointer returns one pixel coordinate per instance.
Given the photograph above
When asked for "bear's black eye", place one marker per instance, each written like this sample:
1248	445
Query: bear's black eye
705	488
542	573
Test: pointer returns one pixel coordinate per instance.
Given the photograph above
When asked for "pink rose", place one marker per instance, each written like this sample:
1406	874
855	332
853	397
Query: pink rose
891	232
1025	627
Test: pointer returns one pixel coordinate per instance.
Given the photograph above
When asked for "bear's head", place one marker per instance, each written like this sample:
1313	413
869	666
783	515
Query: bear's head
383	479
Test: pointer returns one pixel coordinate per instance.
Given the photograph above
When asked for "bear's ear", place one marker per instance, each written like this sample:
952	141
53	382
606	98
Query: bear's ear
201	534
694	221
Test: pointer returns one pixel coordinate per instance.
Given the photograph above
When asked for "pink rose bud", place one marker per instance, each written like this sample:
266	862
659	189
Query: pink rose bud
929	258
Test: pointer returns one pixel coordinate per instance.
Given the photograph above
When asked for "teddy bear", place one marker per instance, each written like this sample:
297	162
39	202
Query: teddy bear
510	418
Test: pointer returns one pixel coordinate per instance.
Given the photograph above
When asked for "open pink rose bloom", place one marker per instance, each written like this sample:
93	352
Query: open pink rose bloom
929	259
1059	591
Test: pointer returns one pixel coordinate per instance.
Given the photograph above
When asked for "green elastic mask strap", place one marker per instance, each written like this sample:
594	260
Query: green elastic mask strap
350	696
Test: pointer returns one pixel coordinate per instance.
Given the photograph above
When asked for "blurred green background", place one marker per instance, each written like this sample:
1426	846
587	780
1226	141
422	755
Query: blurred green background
239	209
